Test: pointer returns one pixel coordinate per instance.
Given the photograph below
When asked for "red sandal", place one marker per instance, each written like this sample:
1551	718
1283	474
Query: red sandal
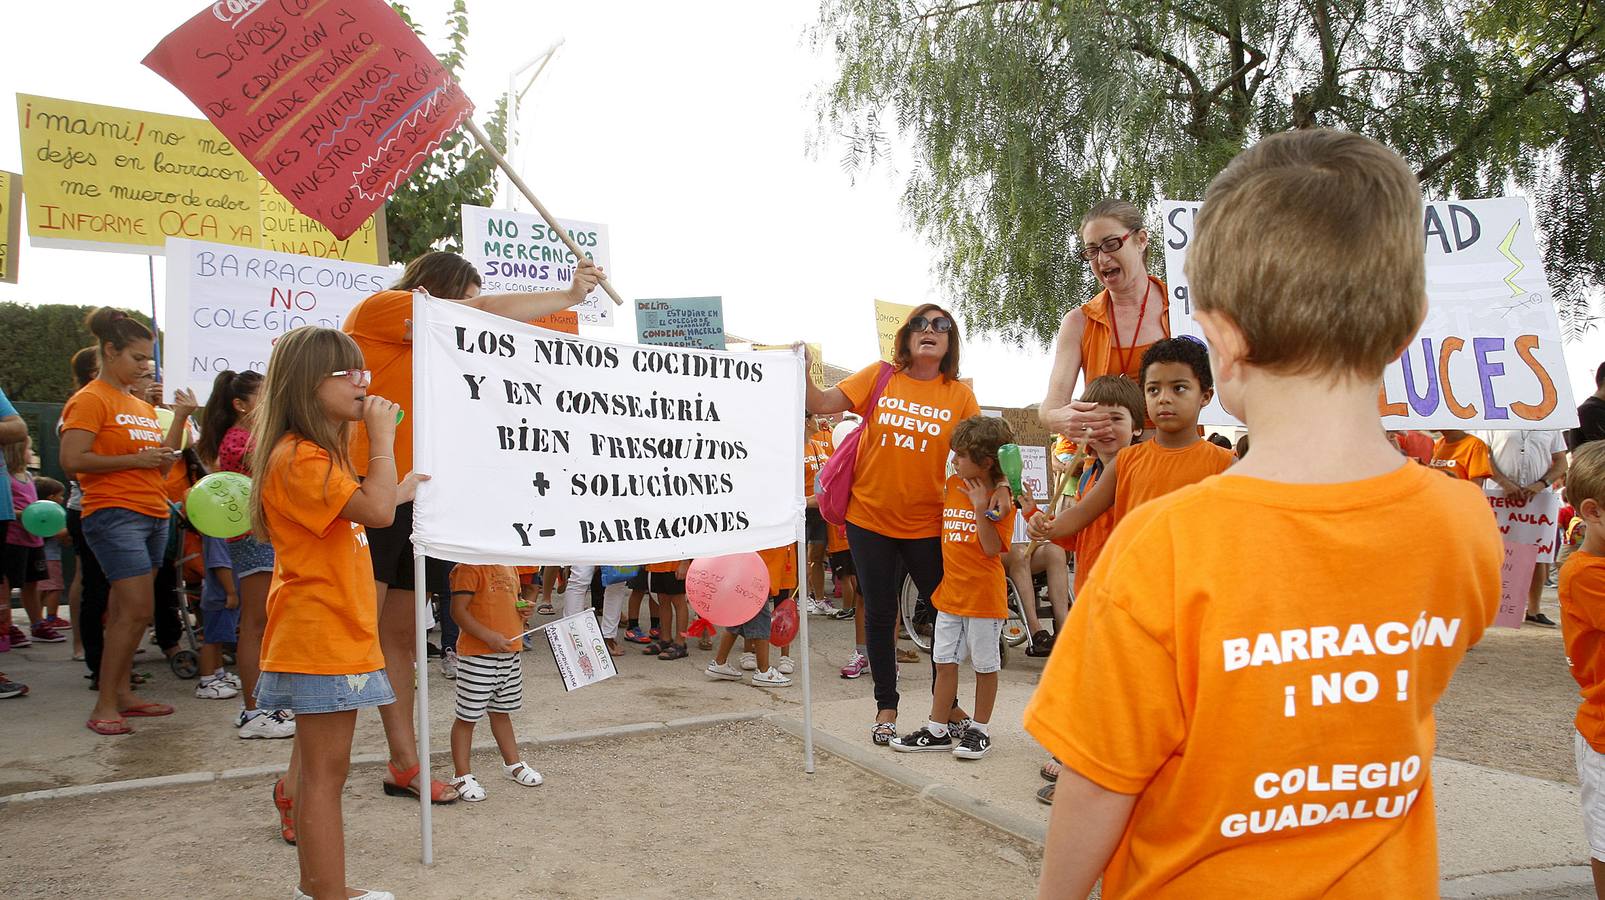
286	819
402	785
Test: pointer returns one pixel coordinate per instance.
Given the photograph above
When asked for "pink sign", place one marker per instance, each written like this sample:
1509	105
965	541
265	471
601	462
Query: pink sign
1515	580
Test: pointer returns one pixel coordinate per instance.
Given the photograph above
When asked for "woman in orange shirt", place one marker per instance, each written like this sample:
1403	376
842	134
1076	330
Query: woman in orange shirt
113	442
320	649
894	518
1108	334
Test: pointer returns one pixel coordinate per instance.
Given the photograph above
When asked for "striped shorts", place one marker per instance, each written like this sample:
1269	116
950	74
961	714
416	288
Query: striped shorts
494	681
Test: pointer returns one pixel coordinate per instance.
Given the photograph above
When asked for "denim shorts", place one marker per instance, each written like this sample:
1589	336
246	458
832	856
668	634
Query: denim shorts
220	625
758	627
956	637
127	544
250	557
311	694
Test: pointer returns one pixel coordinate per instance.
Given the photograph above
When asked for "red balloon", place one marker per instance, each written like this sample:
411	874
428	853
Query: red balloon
783	624
727	590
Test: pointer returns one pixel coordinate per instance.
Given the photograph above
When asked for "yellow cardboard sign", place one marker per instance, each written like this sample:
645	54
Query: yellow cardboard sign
816	369
10	222
106	178
889	317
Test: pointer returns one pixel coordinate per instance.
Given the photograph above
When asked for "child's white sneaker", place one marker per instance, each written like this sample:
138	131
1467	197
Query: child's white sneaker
232	678
468	788
771	678
786	665
723	671
262	724
366	895
448	664
749	662
523	773
214	688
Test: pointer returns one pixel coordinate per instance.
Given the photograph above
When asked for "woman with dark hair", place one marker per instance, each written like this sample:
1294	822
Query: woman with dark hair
894	517
382	327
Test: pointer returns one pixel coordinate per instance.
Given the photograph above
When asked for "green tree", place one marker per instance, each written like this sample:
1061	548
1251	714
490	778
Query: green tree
37	349
1021	113
425	212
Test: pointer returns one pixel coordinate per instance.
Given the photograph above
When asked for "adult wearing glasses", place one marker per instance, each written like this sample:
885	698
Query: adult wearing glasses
382	326
1108	334
894	517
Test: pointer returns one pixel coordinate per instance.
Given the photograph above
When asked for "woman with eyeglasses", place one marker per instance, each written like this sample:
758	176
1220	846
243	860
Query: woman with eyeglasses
382	327
1108	334
894	518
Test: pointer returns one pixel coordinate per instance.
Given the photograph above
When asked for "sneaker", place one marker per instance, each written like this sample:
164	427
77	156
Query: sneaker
58	623
366	895
18	638
845	614
957	729
5	641
256	724
749	662
973	745
856	666
9	688
212	688
771	678
636	636
786	665
448	665
1541	619
923	741
822	608
233	679
723	672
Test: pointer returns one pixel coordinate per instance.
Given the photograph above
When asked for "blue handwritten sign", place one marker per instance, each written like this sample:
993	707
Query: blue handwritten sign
681	322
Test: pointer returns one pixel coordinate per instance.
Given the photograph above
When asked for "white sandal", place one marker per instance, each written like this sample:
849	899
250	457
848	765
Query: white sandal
522	773
468	788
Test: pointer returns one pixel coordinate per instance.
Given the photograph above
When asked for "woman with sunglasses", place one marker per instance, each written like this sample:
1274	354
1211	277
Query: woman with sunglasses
894	518
382	327
1108	334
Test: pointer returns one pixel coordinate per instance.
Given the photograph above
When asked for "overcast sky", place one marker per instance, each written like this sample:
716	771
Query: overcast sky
685	127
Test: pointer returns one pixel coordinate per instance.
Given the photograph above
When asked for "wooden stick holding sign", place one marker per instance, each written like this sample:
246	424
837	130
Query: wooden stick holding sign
1057	499
551	220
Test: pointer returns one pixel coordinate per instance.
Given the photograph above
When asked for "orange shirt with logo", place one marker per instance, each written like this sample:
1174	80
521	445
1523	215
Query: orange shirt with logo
782	564
379	326
897	485
121	424
1582	622
814	457
1145	471
1277	735
493	603
322	613
1466	459
973	581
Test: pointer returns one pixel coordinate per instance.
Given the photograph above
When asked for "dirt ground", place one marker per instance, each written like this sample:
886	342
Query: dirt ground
719	812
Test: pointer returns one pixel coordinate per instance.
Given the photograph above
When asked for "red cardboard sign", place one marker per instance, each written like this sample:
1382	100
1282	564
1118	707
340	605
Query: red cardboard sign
334	101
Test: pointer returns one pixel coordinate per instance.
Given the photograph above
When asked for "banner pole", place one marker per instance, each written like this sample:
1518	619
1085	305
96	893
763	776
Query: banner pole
156	331
802	589
551	220
421	664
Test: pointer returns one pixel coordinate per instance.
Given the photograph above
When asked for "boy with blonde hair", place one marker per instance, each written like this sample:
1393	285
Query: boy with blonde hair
1582	622
1225	731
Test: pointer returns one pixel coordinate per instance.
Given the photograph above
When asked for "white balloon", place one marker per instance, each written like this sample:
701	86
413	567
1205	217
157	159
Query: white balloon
842	430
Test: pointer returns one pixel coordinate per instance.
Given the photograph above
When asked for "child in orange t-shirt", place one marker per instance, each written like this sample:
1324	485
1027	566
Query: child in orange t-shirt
1582	622
320	649
972	600
1122	400
490	677
1227	731
1464	456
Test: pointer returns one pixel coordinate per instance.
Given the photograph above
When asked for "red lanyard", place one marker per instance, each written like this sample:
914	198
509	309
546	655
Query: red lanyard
1114	326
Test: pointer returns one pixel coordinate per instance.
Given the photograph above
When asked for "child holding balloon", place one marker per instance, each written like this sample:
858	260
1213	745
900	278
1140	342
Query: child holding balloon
24	555
50	590
320	650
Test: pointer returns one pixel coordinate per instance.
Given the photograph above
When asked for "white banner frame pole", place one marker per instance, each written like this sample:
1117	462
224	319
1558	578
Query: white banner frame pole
802	584
420	646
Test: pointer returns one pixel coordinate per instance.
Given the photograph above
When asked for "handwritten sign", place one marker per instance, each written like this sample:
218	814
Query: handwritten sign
226	306
816	368
1515	582
517	252
10	224
602	454
681	322
106	178
334	101
1528	521
577	648
889	317
1489	352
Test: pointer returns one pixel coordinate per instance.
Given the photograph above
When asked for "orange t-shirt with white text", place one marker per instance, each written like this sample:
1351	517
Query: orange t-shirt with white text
897	485
122	424
1145	471
973	582
1465	459
782	564
379	326
1277	732
322	612
493	603
1582	622
814	458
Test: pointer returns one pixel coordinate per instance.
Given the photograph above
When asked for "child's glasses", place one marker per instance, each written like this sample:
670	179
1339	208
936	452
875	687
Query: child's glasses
357	377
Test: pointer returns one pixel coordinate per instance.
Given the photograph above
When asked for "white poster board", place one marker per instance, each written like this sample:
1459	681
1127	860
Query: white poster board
1034	472
577	648
227	305
517	252
1532	521
1488	355
544	446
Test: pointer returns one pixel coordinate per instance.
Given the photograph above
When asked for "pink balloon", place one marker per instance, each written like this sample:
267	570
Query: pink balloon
727	590
783	625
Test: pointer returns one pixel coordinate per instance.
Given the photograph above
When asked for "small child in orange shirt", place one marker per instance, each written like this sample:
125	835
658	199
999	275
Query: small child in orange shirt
490	676
1464	456
972	600
1582	622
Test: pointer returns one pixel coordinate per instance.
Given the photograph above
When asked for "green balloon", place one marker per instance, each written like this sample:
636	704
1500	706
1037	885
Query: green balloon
219	505
1012	465
44	518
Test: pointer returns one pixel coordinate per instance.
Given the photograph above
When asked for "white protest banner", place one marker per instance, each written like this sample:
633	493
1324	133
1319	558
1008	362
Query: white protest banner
1530	520
582	451
578	650
227	305
1516	575
1488	355
516	251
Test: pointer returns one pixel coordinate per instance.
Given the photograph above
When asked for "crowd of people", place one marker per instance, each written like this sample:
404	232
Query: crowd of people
1166	707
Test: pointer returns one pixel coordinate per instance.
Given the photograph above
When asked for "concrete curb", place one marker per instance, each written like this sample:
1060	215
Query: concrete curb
1517	883
635	729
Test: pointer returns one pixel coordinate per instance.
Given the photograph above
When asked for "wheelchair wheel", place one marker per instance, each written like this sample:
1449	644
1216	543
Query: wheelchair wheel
919	619
185	664
1014	631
